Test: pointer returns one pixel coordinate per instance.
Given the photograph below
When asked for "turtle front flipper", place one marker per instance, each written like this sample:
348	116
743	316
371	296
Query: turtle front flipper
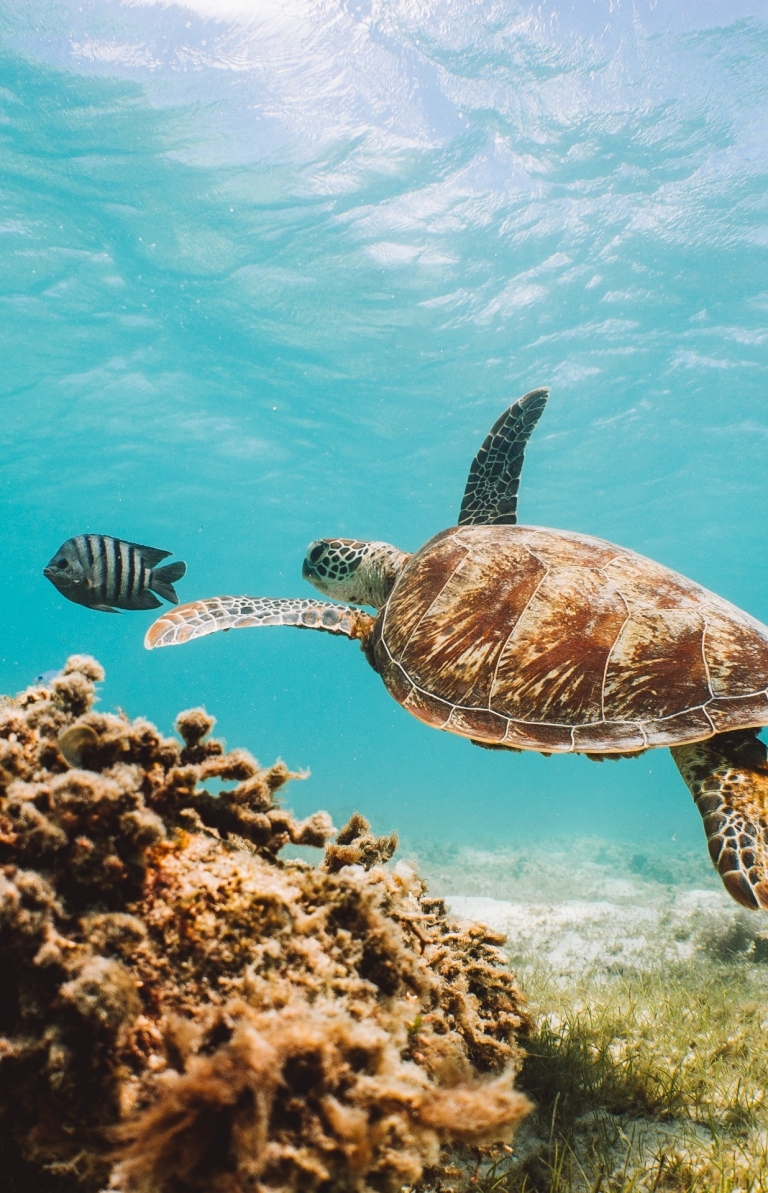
490	498
728	778
199	618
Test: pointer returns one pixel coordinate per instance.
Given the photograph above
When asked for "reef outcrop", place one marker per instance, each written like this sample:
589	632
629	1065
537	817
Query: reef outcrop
183	1010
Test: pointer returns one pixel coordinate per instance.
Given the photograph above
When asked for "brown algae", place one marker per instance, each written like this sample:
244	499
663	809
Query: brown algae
183	1010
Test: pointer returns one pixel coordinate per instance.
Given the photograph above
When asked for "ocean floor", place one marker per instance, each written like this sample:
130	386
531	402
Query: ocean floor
649	988
594	909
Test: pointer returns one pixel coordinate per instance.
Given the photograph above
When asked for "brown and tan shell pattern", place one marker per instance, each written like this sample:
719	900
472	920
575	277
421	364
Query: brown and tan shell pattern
545	640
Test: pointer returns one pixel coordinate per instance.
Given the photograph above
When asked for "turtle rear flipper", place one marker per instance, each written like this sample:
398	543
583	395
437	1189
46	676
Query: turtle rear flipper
199	618
727	776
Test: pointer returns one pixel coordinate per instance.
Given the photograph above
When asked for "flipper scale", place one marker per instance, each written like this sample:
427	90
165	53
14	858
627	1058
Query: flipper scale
727	776
490	498
199	618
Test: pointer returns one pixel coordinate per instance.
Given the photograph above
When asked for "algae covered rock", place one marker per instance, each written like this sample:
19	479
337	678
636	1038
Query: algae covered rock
182	1009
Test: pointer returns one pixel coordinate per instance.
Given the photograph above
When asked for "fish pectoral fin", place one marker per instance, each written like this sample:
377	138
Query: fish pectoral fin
145	600
105	608
727	776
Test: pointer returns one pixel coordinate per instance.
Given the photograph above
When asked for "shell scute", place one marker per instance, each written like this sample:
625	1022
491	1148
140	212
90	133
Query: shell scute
725	712
486	588
428	708
423	579
657	665
395	679
524	735
609	736
691	725
552	666
645	584
563	549
479	724
735	654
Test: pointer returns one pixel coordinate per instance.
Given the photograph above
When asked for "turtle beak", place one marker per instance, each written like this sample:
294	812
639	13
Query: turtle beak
306	570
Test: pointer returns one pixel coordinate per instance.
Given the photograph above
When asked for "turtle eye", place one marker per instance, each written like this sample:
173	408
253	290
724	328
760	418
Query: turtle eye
316	552
62	563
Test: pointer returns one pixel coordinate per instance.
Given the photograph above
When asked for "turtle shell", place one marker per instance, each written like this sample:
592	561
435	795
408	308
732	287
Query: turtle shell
535	639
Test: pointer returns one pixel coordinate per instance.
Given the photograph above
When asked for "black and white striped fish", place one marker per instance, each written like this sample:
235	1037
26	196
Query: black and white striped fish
100	572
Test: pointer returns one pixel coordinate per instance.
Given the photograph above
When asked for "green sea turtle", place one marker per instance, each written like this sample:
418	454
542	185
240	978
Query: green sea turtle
524	638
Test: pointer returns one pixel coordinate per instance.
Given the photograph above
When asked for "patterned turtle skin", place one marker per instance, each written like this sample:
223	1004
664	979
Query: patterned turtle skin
523	638
536	639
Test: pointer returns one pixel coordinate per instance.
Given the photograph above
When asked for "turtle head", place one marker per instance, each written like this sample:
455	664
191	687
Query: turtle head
354	571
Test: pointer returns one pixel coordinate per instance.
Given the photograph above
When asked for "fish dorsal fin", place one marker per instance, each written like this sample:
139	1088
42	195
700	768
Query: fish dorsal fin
490	498
150	555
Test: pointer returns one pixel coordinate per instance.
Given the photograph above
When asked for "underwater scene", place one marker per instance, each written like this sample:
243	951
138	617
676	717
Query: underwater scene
440	327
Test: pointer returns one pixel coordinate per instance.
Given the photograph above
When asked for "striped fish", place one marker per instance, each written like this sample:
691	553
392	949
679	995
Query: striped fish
102	572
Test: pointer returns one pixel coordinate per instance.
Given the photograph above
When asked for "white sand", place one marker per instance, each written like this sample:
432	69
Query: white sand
581	914
580	937
592	908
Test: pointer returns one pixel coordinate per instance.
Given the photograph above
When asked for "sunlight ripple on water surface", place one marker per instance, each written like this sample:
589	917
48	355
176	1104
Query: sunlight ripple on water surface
270	271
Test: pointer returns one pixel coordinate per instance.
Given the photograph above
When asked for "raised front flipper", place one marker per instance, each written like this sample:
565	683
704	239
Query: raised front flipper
728	778
199	618
490	498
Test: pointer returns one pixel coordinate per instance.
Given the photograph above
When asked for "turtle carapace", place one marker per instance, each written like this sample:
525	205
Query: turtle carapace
524	638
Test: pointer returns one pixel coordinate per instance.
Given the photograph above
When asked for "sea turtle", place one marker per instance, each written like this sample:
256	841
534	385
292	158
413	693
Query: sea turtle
524	638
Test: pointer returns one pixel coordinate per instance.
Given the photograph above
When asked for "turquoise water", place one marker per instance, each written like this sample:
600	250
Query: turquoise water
271	274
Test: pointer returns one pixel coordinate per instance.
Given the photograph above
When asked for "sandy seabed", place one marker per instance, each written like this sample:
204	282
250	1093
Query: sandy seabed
649	988
592	908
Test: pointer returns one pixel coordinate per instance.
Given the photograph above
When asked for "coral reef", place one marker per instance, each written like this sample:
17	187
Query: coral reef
182	1010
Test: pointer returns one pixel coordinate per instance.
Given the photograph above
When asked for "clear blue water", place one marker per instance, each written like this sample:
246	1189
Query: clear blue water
271	274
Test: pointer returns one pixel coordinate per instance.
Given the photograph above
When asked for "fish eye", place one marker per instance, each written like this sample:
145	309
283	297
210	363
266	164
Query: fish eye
62	563
316	552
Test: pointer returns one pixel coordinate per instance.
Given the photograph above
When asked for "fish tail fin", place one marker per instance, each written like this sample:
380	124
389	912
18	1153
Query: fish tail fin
162	580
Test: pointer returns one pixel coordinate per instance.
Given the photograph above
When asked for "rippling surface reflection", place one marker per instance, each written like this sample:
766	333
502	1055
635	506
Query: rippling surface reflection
269	272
